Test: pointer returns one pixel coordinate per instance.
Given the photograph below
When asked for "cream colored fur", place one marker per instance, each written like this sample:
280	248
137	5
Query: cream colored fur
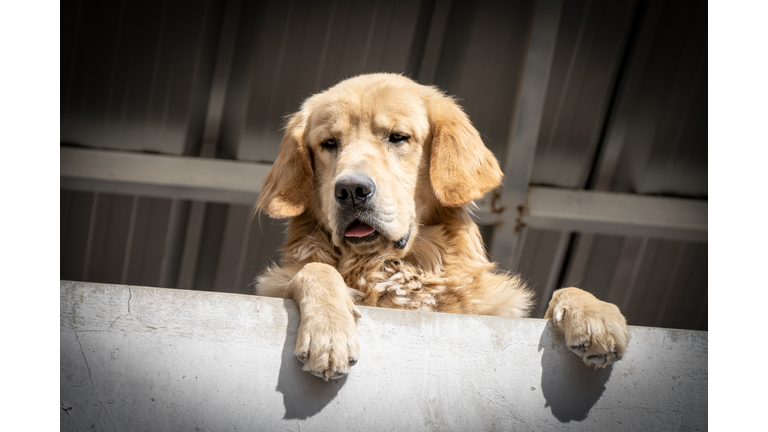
423	185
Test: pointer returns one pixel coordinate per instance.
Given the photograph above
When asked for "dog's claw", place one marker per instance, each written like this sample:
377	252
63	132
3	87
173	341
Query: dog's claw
339	375
597	359
324	376
317	374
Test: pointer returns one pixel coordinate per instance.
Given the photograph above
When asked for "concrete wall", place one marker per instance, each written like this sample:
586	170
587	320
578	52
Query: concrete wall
135	358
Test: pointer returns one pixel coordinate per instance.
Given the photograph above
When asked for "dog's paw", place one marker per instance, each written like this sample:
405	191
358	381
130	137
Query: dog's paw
327	342
594	330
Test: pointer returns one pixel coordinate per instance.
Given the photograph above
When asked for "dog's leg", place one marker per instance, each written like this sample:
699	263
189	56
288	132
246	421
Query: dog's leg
327	340
595	330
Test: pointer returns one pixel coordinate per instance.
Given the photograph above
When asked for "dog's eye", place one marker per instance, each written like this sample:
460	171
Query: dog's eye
397	138
329	144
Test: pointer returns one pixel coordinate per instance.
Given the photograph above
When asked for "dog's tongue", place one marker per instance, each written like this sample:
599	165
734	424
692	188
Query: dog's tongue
358	229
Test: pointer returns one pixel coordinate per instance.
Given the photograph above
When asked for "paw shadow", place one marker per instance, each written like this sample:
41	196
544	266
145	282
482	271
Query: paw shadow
304	394
570	388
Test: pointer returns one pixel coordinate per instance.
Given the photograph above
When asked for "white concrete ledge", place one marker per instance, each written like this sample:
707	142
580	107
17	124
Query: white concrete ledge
159	359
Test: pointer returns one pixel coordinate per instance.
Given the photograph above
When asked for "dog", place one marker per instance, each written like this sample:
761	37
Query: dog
377	175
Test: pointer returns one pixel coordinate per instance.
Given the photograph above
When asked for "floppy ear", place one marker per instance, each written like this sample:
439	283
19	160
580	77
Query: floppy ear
288	183
462	169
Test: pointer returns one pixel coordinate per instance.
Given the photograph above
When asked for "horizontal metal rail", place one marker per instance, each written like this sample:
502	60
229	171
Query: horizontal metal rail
615	213
608	213
240	183
180	177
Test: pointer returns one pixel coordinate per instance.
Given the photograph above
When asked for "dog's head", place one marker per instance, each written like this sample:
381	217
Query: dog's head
373	157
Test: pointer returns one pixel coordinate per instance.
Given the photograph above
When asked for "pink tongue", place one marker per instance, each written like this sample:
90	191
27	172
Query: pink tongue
358	229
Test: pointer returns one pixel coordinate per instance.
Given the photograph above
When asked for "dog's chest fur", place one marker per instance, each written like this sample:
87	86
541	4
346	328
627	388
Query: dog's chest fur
394	283
439	273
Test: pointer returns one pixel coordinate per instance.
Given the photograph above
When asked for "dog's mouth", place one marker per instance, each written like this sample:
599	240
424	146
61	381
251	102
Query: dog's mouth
360	232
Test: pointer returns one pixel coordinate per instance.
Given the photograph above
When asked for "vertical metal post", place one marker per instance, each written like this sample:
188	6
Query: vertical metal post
524	134
213	118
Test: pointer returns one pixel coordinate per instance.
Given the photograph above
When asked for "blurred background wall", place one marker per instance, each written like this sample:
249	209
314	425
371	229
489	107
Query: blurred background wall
579	100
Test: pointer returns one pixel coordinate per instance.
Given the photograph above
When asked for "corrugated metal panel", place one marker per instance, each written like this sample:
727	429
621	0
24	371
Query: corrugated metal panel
625	111
659	127
481	60
288	50
590	45
660	116
111	239
247	247
136	75
539	253
124	239
76	209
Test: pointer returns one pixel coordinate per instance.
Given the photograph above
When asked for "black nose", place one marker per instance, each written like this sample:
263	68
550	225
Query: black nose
354	189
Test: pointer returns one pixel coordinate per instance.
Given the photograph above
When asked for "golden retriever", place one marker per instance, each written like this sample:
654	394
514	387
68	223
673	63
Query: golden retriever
376	174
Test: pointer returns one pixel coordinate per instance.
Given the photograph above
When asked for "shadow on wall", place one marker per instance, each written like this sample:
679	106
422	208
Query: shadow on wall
304	394
570	388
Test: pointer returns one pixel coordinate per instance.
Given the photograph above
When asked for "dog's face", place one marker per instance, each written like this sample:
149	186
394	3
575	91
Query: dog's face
372	158
369	149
